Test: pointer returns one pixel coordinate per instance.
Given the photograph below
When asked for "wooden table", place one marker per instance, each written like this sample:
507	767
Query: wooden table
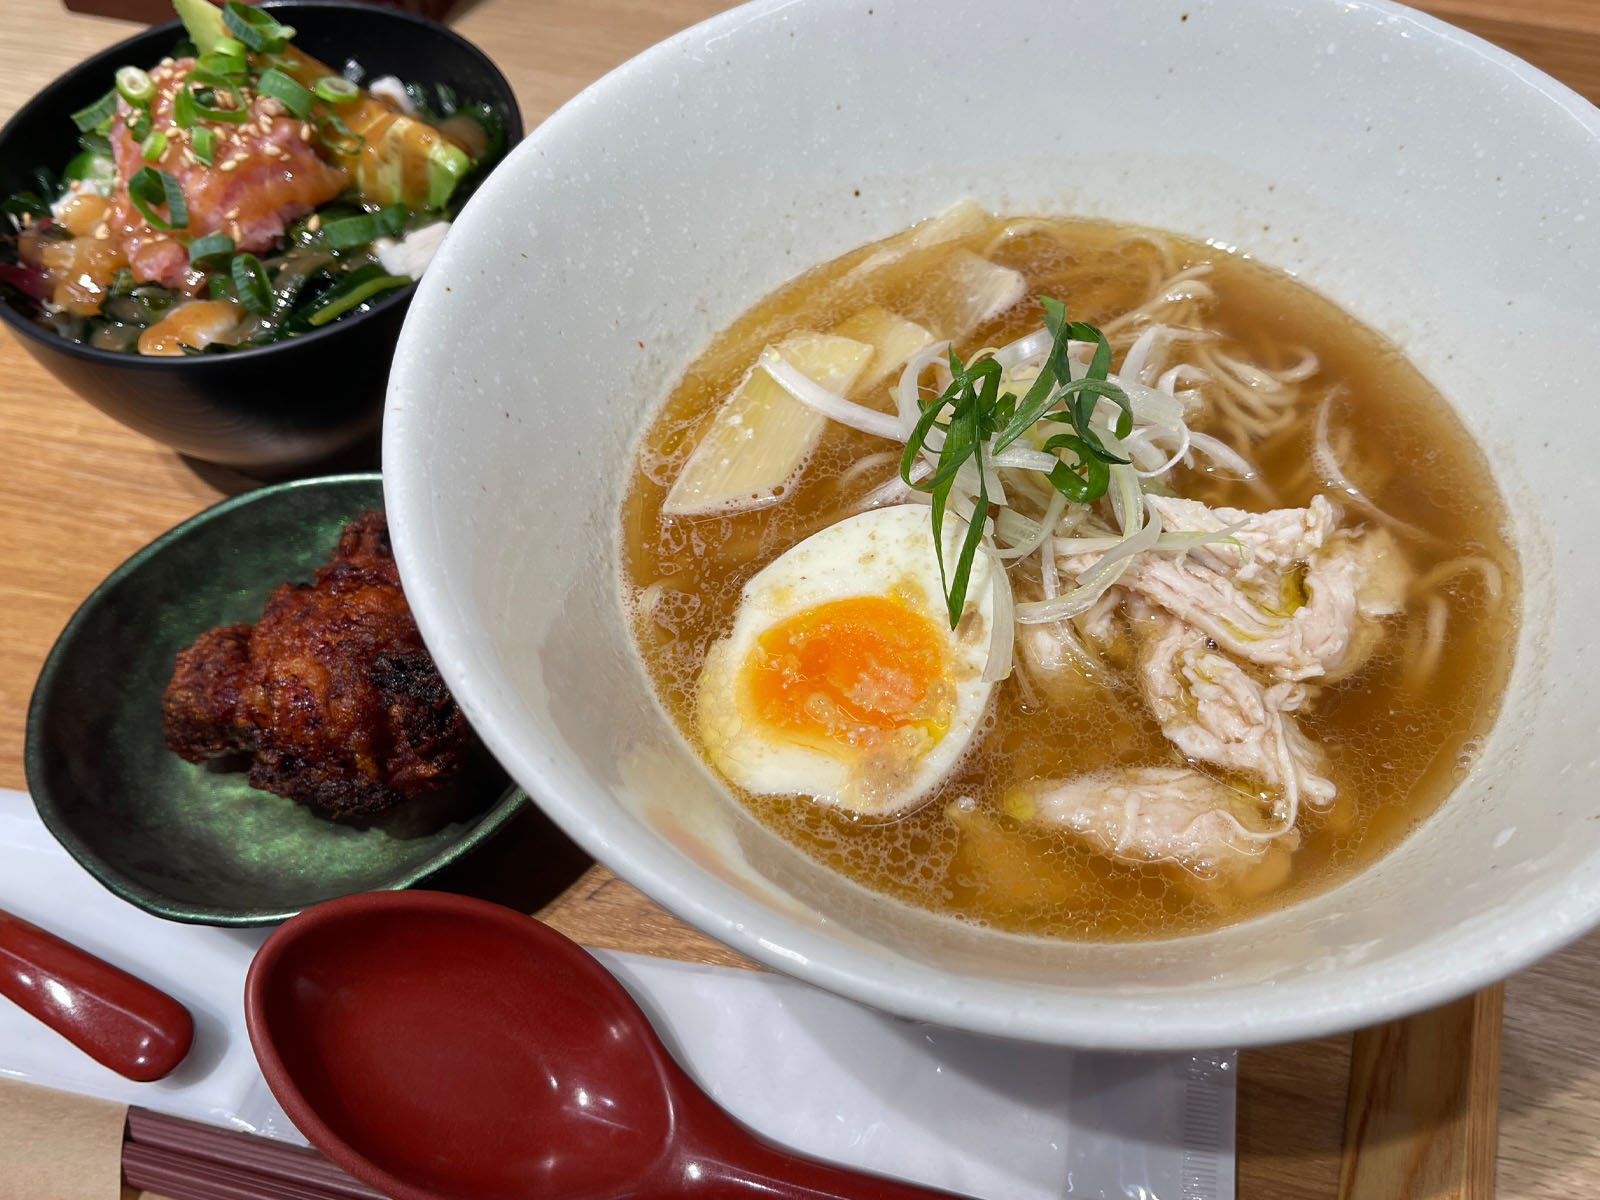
79	493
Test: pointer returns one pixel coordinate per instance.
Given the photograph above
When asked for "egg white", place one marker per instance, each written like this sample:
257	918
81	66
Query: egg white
884	552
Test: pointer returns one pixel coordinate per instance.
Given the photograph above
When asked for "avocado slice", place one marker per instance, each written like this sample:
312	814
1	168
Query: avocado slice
401	160
202	20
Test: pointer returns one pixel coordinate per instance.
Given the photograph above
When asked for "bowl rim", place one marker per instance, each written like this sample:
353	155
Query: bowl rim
106	61
493	816
906	987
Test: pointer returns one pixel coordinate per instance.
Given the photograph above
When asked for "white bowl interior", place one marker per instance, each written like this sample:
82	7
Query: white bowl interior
1431	185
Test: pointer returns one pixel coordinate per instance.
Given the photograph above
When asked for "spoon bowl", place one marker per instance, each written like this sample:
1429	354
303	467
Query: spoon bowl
443	1048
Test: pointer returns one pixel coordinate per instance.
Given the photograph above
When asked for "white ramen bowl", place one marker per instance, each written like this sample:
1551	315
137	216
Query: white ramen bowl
1432	185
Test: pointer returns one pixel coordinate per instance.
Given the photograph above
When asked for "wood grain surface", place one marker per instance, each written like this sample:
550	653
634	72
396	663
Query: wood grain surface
80	493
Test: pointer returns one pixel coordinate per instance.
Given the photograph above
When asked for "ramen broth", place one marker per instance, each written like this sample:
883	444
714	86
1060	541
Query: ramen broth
1398	734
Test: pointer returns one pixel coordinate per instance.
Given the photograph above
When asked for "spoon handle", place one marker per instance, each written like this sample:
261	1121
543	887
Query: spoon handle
721	1157
786	1176
118	1020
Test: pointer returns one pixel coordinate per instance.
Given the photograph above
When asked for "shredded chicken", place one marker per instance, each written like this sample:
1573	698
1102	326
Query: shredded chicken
1215	712
1153	814
1287	597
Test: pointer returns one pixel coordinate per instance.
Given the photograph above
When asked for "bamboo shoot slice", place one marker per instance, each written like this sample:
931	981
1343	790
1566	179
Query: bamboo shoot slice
966	290
961	219
893	340
761	434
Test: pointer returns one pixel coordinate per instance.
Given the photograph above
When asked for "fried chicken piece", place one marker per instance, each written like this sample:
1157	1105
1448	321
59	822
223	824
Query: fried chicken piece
331	692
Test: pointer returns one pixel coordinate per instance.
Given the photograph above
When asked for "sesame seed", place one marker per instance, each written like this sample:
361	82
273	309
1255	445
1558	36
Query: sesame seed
228	165
305	132
233	230
231	215
315	223
102	232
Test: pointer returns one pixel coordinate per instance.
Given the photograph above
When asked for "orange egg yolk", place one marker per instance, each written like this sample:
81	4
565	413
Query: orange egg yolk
852	673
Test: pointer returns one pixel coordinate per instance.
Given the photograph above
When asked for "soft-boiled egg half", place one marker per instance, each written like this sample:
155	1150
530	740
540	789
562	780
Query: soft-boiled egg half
841	678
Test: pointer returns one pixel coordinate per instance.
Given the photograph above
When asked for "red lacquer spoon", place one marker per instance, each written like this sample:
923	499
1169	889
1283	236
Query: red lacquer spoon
445	1048
119	1020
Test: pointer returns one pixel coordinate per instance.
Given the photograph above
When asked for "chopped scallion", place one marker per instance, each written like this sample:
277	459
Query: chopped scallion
139	125
250	281
204	104
335	89
218	67
183	109
153	146
148	187
255	28
289	92
204	144
97	116
135	86
231	46
210	249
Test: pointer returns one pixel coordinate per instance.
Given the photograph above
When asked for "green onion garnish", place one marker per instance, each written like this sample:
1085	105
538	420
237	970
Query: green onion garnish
135	86
153	147
250	281
148	187
139	125
97	116
975	403
981	418
212	247
218	67
203	101
231	46
292	94
183	109
343	139
357	295
335	89
204	144
255	28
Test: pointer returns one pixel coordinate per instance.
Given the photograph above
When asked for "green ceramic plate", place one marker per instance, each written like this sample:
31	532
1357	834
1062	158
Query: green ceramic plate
196	843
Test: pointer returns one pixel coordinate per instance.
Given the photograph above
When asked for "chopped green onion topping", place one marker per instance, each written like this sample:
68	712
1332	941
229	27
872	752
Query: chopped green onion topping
134	85
335	89
203	99
183	109
153	147
342	139
255	28
148	187
218	67
292	94
361	229
250	281
97	116
231	46
357	295
139	125
209	249
204	144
